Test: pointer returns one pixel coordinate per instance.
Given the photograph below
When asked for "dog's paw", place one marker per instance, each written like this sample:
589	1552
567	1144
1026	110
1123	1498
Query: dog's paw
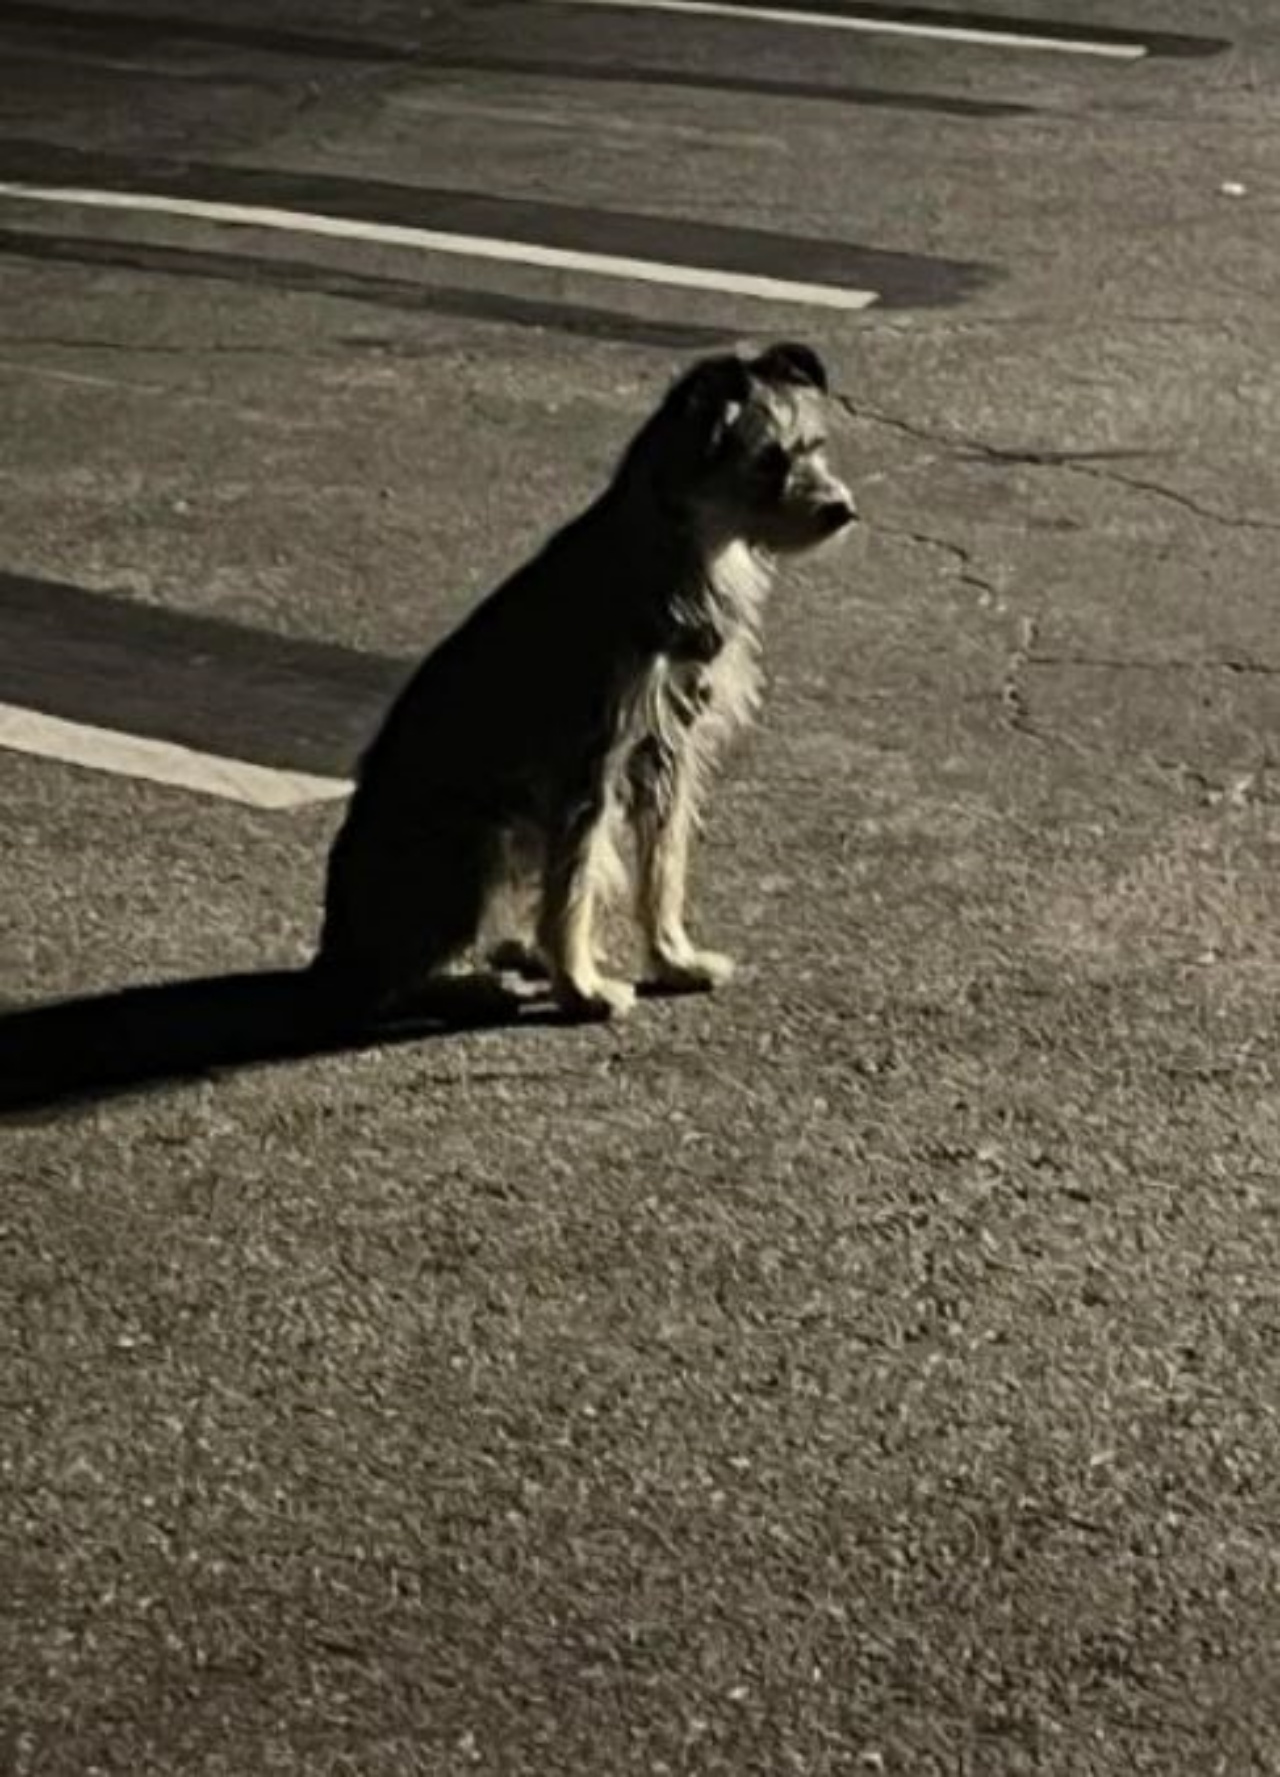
456	999
513	956
596	1000
700	971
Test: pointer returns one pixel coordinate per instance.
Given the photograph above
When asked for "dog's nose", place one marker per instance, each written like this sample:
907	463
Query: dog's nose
834	515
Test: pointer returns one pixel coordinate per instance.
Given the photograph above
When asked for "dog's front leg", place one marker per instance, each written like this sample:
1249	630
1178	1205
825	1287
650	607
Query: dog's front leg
665	822
575	865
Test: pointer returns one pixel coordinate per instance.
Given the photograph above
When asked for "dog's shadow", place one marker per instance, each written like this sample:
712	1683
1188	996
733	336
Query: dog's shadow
137	1038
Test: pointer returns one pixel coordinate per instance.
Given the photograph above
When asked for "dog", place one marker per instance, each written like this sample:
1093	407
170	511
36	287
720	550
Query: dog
588	696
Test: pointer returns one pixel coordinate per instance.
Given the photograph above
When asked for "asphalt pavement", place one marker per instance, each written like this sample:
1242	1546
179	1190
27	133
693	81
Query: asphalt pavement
874	1368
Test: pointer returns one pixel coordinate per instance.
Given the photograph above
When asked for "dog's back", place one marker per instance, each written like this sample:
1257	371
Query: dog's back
535	665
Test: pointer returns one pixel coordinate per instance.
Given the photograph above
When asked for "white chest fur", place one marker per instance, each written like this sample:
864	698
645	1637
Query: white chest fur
739	580
691	705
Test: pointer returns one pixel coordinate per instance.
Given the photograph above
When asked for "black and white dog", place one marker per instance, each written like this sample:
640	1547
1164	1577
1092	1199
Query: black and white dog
585	698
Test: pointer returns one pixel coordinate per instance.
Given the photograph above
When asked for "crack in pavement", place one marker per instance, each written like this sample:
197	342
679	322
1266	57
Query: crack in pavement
962	557
1024	657
1110	663
1060	323
960	442
1013	695
1211	514
1011	691
1074	462
1241	789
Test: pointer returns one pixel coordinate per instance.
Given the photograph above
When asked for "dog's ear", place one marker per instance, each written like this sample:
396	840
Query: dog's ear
709	398
794	364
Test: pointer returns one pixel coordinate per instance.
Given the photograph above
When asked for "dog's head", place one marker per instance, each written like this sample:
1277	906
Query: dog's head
742	443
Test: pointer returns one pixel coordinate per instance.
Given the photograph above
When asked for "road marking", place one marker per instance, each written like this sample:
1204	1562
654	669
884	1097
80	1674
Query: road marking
883	25
145	30
162	762
608	265
196	702
794	268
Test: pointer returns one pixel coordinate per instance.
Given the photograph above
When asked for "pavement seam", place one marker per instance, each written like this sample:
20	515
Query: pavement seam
1023	656
1211	514
1011	690
962	557
1073	462
1111	663
1013	694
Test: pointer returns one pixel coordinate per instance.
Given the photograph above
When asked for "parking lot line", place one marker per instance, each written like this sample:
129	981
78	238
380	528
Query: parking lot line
881	24
161	762
394	234
196	701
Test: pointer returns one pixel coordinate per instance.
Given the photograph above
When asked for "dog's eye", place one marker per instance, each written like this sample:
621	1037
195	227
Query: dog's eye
773	463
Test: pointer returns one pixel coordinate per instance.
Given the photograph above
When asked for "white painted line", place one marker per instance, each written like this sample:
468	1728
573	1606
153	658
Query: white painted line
162	762
471	246
831	21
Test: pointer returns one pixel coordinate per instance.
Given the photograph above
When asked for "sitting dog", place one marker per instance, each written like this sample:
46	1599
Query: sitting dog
588	695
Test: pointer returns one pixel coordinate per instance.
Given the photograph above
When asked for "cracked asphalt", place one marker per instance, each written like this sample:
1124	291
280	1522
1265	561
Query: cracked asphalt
874	1368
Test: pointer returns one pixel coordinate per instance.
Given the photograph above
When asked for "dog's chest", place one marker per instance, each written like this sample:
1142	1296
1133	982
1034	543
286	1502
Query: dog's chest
705	681
723	691
690	703
724	685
